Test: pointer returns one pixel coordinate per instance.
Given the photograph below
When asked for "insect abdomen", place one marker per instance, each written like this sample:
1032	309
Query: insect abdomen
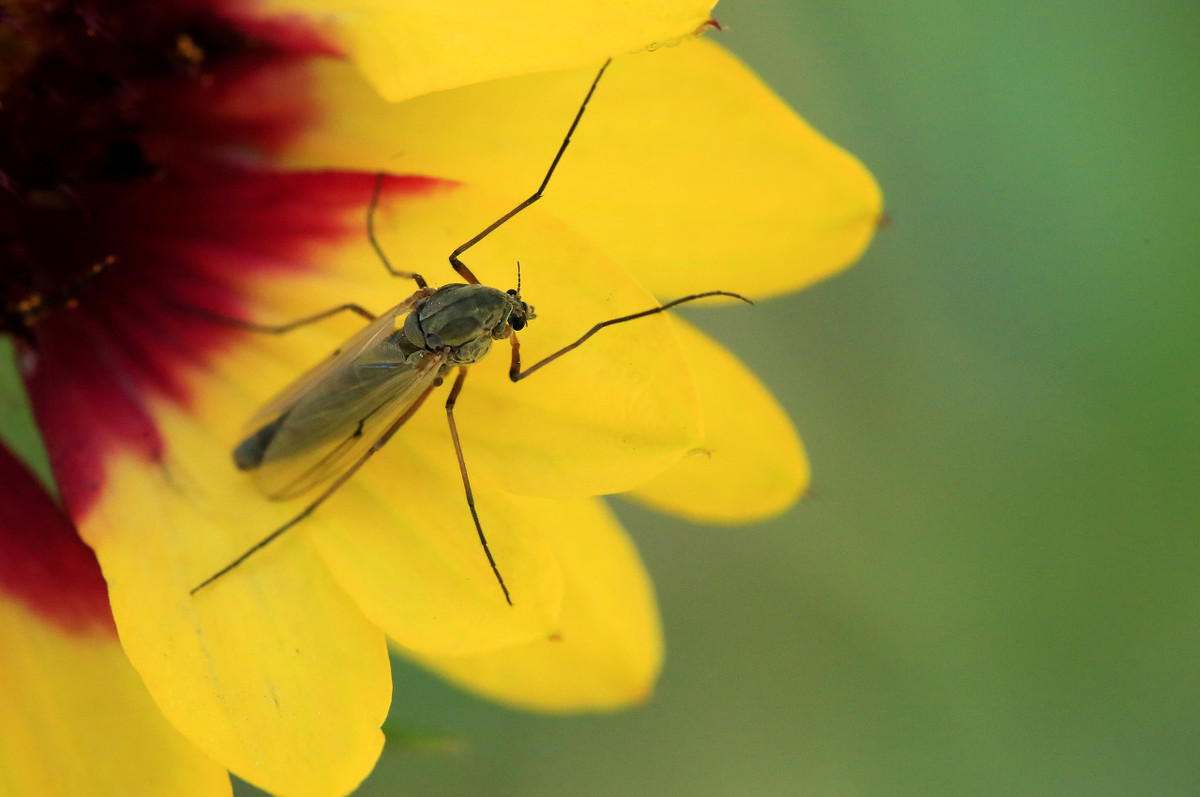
250	452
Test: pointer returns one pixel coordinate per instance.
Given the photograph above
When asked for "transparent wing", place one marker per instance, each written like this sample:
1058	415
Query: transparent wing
366	338
322	423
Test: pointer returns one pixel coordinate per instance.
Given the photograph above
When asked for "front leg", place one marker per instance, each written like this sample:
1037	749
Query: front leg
514	370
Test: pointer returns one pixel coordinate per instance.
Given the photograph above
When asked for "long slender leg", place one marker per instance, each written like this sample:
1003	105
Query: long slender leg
516	374
462	468
459	266
395	272
276	329
328	491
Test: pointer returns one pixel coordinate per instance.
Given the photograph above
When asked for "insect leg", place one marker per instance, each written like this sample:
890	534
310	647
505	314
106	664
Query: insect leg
459	266
320	499
516	374
395	272
274	329
279	329
347	307
462	467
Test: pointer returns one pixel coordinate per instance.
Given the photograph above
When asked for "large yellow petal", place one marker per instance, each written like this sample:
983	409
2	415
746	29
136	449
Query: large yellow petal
76	721
751	464
686	169
411	47
607	650
271	670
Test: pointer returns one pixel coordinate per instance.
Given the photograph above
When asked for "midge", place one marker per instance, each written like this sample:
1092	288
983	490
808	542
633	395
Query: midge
326	425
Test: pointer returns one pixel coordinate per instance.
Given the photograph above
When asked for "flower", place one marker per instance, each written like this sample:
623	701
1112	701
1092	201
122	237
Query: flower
170	162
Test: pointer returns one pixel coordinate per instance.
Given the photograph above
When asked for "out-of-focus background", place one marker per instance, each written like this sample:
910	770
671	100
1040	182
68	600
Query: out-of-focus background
994	588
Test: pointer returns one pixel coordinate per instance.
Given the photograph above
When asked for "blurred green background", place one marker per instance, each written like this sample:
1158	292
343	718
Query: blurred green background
994	588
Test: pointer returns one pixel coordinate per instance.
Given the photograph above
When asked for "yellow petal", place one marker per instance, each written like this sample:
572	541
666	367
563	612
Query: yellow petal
607	650
411	47
686	169
76	720
271	670
751	464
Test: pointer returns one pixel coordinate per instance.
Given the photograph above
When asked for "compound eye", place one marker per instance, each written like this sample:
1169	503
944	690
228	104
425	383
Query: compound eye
517	322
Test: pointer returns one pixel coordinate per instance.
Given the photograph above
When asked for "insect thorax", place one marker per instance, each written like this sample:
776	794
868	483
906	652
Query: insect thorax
465	319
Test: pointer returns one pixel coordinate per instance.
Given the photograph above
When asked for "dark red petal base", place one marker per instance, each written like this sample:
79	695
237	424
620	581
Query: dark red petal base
43	563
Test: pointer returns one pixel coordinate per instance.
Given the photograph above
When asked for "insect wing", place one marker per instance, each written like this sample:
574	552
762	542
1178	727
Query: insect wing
366	338
324	422
329	432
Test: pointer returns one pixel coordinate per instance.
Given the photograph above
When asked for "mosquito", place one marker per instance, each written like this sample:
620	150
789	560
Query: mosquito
327	424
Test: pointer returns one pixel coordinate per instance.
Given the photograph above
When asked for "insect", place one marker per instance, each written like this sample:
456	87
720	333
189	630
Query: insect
326	425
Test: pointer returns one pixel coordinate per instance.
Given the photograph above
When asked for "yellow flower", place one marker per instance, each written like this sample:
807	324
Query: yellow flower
223	162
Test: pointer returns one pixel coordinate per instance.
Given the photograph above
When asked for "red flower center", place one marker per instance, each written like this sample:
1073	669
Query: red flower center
79	89
131	189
